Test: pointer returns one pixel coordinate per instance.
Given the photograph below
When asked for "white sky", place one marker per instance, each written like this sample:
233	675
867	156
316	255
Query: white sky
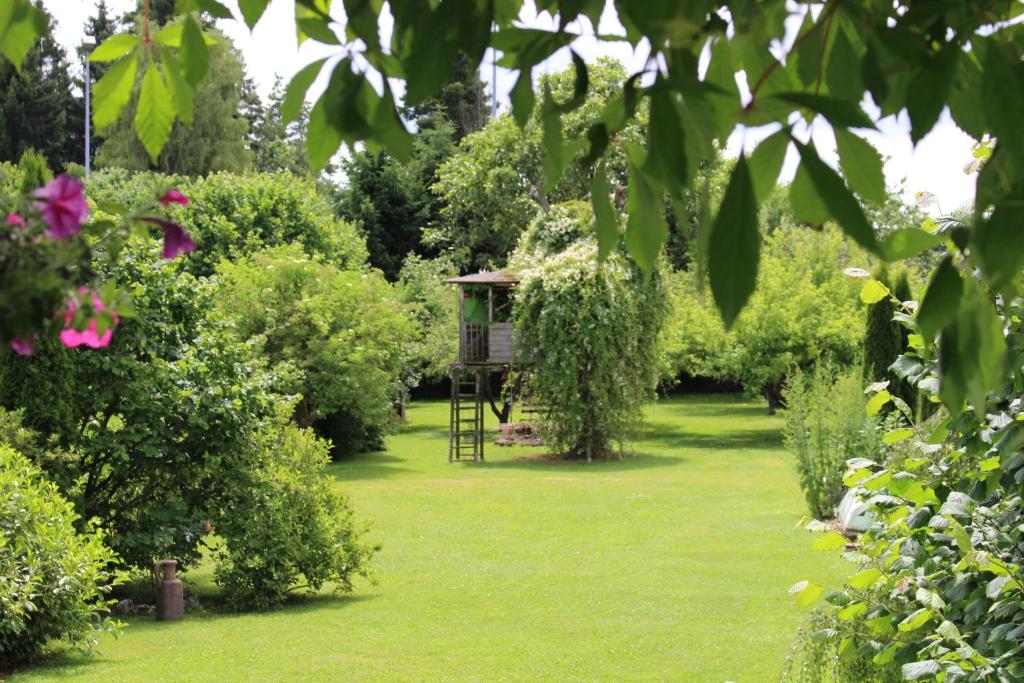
271	49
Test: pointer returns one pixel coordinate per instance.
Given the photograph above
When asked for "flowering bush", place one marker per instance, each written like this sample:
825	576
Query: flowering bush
591	330
156	426
53	578
49	250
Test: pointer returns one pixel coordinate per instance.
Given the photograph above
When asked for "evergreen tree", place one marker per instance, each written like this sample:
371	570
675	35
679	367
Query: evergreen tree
885	339
274	145
463	100
392	202
38	107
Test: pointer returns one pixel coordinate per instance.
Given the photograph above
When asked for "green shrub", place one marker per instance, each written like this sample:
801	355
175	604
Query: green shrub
815	658
231	216
154	429
433	310
286	528
341	334
803	311
591	329
34	170
53	579
826	426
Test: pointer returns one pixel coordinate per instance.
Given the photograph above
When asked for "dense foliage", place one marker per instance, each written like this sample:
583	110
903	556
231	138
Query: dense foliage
233	216
885	339
157	425
494	184
591	330
433	310
805	310
338	335
283	526
54	578
825	427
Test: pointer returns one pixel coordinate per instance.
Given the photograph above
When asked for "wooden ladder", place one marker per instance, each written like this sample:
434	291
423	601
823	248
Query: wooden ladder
466	422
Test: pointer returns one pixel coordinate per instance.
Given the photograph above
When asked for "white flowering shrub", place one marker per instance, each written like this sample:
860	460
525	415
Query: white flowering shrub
591	329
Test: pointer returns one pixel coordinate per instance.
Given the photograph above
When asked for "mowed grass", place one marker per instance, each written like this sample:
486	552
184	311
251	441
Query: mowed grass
672	564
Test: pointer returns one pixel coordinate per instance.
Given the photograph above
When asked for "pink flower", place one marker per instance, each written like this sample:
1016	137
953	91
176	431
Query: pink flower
13	218
63	206
176	240
25	345
172	196
90	336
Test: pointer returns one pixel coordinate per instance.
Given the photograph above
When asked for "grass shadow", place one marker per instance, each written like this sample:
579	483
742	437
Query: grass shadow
628	462
669	435
372	465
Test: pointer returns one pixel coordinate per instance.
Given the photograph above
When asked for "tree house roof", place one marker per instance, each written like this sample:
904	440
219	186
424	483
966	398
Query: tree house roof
498	278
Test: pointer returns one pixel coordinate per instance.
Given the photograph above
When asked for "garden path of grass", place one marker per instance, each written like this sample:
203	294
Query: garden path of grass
670	565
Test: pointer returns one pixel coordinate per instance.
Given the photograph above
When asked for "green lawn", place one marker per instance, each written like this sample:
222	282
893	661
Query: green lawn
670	565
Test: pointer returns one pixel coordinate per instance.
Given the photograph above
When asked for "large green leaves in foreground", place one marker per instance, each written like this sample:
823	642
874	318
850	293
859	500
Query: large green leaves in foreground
966	57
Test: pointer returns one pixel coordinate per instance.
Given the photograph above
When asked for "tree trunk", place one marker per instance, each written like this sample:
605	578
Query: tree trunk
773	394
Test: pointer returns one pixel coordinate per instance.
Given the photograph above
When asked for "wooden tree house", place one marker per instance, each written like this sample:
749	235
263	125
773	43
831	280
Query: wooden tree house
485	345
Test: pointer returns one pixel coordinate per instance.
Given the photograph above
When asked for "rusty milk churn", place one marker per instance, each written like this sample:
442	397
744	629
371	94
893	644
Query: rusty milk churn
170	605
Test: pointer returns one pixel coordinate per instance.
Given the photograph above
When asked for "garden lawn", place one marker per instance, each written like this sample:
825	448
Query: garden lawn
672	564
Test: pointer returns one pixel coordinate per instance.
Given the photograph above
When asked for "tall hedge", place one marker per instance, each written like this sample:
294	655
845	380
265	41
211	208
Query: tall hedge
591	330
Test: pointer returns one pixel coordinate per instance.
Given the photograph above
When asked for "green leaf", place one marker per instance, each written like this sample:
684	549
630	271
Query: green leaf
972	352
606	218
804	200
212	7
171	36
852	611
322	139
839	113
252	10
734	245
295	93
115	47
389	128
113	92
862	166
873	291
20	25
806	593
554	147
843	73
181	91
875	404
766	163
839	201
916	620
941	300
989	464
999	245
928	89
646	229
666	141
994	588
522	98
154	115
897	435
830	541
915	671
195	55
864	579
908	242
949	631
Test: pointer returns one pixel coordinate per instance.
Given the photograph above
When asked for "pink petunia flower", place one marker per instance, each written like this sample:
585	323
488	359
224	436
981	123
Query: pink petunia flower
13	218
176	239
90	336
26	345
172	196
63	206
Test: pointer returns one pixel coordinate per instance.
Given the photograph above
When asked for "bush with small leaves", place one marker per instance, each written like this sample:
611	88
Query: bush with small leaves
284	526
53	578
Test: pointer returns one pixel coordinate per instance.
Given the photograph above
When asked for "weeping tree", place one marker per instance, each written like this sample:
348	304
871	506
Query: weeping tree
590	327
